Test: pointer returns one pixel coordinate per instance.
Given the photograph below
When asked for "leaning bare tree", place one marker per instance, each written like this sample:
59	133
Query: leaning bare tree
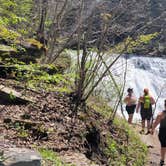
59	21
93	27
93	67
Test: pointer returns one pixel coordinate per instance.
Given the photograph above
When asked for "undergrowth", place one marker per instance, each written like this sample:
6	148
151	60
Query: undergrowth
100	105
123	145
50	158
43	77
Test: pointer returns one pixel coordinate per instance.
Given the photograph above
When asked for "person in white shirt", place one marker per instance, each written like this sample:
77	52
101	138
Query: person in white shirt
130	101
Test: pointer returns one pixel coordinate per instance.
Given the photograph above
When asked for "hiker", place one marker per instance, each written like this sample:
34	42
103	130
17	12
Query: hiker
130	101
161	119
145	103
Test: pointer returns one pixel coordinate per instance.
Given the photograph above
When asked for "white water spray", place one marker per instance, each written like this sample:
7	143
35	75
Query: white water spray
142	72
147	72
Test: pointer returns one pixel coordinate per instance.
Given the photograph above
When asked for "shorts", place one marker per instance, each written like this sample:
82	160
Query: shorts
130	109
162	137
146	114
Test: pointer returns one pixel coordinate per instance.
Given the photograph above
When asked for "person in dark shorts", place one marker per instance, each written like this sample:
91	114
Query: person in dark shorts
161	119
130	101
145	105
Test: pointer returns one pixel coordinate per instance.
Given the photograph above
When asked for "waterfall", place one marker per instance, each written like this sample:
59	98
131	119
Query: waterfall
142	72
147	72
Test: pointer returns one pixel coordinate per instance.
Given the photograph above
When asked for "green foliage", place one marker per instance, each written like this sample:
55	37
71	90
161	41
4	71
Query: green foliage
51	157
14	12
7	34
131	44
100	105
57	78
23	133
12	61
146	38
7	49
38	77
35	43
112	149
140	41
126	148
17	14
11	96
123	146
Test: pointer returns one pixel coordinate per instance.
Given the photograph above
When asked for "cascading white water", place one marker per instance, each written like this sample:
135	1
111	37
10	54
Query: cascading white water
147	72
142	72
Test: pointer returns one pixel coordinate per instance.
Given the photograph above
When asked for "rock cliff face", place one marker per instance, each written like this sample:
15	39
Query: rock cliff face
139	17
126	18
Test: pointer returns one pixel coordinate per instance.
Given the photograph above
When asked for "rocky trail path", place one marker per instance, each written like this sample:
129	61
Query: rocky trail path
153	145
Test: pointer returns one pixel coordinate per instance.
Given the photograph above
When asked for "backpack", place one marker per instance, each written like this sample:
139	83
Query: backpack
147	102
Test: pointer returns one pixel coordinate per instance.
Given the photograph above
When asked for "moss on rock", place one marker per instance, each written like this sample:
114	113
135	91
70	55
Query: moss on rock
35	43
7	50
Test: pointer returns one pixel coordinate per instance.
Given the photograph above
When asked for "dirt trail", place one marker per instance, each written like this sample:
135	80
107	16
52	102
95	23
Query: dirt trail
153	145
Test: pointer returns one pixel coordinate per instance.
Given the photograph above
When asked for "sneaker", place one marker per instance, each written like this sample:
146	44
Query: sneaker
142	131
161	162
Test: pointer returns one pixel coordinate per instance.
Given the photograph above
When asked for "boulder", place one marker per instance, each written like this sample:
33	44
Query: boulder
21	157
8	95
32	46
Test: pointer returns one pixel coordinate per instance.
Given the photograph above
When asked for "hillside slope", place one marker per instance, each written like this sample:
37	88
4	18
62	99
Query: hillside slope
48	123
